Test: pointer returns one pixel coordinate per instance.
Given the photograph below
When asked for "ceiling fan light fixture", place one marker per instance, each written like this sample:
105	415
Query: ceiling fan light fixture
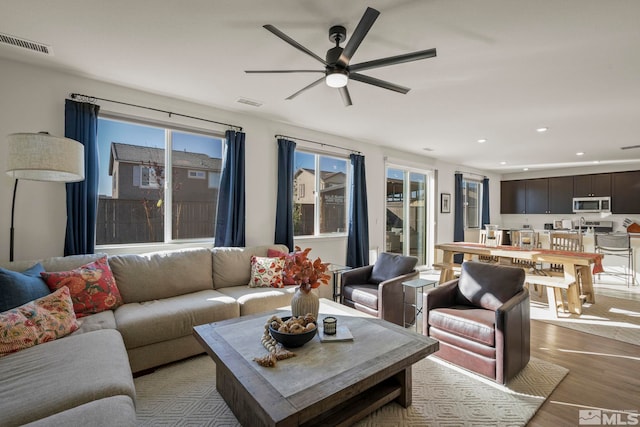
337	79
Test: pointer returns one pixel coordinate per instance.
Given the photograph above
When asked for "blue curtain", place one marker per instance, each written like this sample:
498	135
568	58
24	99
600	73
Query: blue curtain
284	201
485	203
358	239
230	216
458	220
81	124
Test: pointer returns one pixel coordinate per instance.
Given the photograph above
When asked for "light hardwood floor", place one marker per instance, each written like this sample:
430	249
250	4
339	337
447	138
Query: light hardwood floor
603	374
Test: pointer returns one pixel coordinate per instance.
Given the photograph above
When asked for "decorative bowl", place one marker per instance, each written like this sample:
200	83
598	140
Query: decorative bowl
292	340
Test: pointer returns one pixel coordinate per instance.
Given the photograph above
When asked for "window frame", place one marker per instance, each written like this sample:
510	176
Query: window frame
167	183
316	193
465	202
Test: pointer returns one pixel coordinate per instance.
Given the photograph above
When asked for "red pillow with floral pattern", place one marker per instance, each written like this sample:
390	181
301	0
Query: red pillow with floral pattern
286	278
92	286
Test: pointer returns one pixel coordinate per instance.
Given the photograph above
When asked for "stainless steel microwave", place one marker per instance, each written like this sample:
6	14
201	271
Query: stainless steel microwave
591	204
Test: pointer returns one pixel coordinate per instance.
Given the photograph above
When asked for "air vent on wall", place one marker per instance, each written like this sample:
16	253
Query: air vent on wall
630	147
25	44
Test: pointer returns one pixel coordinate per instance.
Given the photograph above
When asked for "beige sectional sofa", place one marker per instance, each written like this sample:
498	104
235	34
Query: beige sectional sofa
86	377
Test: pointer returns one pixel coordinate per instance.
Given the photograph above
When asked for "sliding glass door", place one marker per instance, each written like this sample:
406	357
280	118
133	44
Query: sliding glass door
407	213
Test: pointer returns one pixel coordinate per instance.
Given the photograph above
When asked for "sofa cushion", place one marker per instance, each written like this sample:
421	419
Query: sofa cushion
37	322
232	266
389	265
259	300
266	272
160	275
169	318
19	288
60	263
489	286
96	364
92	287
111	411
96	322
286	278
366	295
474	324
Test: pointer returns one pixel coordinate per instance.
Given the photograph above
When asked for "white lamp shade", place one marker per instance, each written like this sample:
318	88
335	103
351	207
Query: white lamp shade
44	157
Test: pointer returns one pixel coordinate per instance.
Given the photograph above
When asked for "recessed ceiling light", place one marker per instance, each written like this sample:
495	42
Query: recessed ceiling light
525	169
482	141
596	161
542	129
503	163
579	153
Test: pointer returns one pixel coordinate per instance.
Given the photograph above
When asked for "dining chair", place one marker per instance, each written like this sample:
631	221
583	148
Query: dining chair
618	245
483	241
571	242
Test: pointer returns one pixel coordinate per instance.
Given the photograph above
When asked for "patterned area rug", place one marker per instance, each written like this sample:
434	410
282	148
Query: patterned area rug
608	317
184	394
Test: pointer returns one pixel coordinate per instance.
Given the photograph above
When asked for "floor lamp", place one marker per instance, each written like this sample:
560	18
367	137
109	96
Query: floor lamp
42	157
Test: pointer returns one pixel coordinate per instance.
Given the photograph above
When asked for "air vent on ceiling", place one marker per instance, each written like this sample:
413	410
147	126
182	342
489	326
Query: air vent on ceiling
630	147
25	44
249	102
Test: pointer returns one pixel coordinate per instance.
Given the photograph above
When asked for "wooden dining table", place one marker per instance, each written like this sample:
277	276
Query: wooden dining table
578	267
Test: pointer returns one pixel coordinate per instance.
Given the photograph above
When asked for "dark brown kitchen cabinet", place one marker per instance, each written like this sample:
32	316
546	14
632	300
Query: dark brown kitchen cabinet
561	195
537	196
625	192
512	197
592	185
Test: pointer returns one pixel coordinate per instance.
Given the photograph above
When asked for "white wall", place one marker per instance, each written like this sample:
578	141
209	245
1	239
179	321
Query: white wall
33	100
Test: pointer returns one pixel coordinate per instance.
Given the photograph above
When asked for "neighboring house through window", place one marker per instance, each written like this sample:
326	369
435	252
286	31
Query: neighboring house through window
150	172
320	194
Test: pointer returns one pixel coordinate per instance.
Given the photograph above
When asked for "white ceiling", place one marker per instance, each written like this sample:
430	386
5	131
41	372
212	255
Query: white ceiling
504	68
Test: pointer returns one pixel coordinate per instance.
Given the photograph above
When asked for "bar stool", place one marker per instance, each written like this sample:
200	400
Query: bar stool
618	245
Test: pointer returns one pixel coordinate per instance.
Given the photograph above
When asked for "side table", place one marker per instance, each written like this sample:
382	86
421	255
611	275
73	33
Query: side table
418	286
337	271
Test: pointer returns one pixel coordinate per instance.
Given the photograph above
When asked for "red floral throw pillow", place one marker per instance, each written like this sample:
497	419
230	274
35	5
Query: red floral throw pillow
92	286
36	322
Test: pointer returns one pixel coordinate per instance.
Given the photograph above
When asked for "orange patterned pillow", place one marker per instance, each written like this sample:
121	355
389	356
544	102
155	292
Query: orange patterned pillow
266	272
37	322
92	286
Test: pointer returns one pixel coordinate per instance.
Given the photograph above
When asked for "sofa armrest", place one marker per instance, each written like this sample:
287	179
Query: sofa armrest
357	276
513	334
391	299
441	296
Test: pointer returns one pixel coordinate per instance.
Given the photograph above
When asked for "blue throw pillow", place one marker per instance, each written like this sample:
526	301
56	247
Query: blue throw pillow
20	288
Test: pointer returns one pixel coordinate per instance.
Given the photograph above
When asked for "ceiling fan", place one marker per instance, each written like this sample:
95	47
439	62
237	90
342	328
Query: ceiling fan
338	69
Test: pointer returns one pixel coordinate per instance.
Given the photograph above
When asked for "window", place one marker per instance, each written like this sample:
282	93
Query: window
472	197
320	184
137	190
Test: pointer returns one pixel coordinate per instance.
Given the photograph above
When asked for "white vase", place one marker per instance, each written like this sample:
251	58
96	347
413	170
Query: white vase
305	302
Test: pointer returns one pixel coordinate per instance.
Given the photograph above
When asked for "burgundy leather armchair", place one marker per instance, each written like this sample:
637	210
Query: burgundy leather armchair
377	289
482	320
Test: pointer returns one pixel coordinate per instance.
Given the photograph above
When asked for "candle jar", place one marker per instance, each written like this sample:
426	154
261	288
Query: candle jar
492	232
527	239
330	325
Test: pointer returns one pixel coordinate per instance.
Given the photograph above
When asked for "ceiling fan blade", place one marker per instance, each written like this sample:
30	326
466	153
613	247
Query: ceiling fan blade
392	60
365	24
346	98
380	83
317	82
283	71
292	42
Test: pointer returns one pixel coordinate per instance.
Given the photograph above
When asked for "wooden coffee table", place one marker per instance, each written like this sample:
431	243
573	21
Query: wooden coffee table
327	383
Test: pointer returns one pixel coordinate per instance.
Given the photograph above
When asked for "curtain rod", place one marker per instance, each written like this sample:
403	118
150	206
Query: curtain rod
93	99
471	173
319	143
